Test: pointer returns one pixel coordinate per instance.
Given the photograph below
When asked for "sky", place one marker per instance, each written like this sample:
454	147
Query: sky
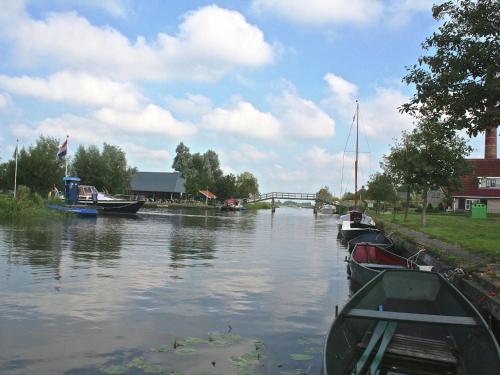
270	85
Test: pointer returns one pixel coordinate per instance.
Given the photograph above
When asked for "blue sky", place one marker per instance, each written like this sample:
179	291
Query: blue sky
270	85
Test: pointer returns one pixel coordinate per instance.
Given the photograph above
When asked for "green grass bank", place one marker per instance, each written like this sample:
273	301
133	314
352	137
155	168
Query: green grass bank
479	236
26	206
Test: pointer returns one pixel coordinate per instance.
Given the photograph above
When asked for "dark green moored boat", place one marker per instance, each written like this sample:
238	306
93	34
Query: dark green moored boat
410	322
367	260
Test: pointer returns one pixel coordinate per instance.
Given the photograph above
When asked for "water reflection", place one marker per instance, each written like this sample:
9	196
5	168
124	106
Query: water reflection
78	295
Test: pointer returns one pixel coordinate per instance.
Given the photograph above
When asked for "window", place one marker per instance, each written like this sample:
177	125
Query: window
469	202
489	182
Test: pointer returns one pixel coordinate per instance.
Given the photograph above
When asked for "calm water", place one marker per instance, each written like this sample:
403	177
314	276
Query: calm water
186	291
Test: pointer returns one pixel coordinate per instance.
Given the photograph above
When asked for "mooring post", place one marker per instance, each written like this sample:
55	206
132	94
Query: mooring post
273	207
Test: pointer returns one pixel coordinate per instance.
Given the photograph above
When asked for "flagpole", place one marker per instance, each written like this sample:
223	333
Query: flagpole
15	170
66	157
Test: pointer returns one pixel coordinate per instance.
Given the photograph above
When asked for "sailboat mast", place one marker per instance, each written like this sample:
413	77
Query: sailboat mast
356	161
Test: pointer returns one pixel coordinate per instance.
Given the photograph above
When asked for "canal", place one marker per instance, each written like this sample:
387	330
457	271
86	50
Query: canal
184	292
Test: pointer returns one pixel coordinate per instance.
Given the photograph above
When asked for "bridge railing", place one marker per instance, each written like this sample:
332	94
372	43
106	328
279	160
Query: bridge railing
281	195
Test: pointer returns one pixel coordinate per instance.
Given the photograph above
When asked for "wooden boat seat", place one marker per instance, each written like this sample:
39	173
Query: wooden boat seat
421	351
413	318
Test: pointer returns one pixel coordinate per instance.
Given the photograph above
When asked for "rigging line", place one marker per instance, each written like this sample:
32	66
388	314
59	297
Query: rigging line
343	154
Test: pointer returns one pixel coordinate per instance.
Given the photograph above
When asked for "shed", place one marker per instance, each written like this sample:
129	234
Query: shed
158	185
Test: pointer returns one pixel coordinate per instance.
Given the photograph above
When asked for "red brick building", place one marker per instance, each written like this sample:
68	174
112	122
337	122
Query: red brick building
482	186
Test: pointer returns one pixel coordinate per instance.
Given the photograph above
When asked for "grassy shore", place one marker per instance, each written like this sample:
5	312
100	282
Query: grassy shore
26	206
474	235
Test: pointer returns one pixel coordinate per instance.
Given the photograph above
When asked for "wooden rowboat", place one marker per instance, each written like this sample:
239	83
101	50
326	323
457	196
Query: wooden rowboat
410	322
368	260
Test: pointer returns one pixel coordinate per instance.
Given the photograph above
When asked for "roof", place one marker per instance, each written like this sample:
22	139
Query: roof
163	182
208	194
482	168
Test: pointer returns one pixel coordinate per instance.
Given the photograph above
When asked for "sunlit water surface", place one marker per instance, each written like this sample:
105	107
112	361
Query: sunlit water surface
184	291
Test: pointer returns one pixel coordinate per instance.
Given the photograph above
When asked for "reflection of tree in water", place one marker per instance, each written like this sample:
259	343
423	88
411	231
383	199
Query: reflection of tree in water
34	243
192	239
95	241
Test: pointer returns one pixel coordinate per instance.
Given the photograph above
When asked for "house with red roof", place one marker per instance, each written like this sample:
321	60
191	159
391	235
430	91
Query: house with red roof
483	184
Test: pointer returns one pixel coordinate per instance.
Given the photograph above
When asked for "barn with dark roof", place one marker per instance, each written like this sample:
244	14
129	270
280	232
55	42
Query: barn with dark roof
158	185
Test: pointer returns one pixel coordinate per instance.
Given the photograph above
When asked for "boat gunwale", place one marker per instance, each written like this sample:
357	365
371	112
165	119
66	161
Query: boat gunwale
365	289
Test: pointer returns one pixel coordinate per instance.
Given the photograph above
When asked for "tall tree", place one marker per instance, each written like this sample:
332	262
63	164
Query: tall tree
458	80
325	195
225	187
106	170
401	166
438	157
182	161
38	166
381	188
247	185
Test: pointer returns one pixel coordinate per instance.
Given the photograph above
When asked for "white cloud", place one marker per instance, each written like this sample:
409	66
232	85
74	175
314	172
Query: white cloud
147	157
211	42
321	12
332	12
343	92
192	105
75	88
80	129
248	153
151	120
320	158
242	119
303	118
379	115
5	102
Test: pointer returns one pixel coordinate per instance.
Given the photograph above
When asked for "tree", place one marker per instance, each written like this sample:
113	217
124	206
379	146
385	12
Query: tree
324	195
106	171
247	185
457	82
38	167
438	158
381	188
117	174
225	187
88	166
401	166
182	161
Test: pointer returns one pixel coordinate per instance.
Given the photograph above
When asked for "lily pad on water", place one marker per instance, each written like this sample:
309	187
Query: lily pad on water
136	362
223	340
114	369
185	350
313	350
309	341
301	357
194	341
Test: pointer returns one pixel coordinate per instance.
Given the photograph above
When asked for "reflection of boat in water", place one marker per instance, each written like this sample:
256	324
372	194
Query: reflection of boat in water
368	260
232	204
410	322
328	209
84	195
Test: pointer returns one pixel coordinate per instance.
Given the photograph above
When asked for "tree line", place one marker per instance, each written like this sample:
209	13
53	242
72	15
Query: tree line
203	171
40	169
456	88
